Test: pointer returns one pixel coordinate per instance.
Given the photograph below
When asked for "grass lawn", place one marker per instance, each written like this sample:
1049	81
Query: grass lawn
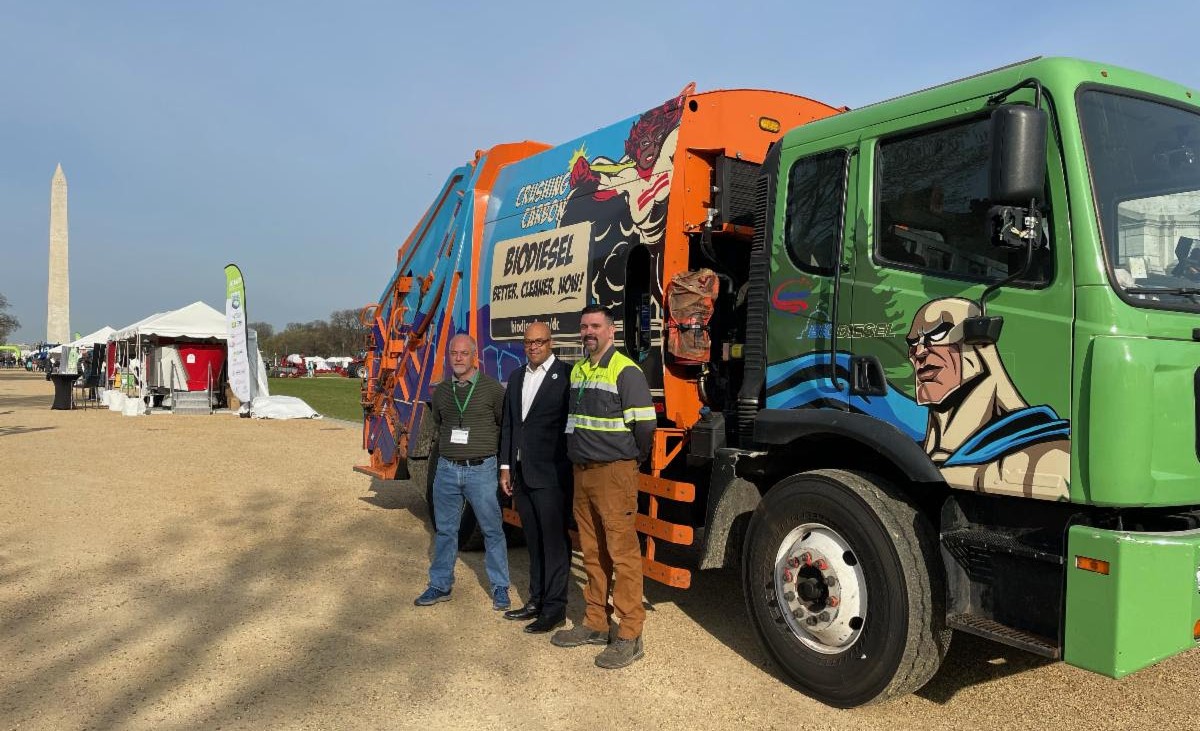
333	396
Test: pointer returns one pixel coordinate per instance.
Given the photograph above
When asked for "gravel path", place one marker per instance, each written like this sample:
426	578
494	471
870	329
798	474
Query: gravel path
182	572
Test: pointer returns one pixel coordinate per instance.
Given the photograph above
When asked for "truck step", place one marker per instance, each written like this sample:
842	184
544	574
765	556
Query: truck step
963	541
1005	635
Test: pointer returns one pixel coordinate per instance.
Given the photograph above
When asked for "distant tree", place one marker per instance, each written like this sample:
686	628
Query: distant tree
346	331
265	330
8	323
340	335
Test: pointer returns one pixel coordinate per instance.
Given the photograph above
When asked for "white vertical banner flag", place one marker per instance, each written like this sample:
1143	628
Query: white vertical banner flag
235	323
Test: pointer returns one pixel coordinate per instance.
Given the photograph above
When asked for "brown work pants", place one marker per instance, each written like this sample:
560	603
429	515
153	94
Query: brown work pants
605	510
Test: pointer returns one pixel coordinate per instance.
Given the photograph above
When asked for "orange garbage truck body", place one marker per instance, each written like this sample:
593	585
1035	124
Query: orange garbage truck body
651	216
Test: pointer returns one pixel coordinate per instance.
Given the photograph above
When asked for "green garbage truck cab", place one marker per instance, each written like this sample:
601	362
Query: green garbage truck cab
968	390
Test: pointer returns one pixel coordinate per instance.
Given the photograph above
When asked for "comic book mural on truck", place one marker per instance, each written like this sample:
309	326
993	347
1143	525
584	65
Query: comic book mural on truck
541	232
565	239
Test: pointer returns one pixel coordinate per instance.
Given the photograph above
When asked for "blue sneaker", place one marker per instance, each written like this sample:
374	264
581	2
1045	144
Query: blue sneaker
432	596
500	598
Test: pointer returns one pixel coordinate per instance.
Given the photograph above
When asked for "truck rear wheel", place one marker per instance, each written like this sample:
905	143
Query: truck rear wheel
844	587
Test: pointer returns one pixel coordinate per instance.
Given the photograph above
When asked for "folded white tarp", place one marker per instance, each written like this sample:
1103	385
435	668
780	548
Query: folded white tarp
281	407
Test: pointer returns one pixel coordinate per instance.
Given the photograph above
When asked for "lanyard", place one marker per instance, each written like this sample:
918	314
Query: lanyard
462	407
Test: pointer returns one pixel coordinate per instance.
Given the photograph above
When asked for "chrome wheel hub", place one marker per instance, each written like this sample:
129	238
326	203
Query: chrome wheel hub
820	589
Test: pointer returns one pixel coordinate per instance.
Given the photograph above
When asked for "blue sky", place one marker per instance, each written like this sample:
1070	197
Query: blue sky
304	140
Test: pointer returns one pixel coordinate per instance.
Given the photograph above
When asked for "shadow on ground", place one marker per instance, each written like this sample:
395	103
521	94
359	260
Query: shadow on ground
192	608
8	431
716	603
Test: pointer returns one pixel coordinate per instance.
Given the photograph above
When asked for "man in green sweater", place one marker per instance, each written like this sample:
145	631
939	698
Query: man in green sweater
466	412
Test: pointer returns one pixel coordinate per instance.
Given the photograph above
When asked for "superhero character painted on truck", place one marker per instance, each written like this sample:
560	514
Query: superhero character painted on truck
626	200
967	413
981	432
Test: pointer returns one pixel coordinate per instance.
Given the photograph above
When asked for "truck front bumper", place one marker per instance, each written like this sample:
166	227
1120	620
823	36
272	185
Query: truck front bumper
1133	599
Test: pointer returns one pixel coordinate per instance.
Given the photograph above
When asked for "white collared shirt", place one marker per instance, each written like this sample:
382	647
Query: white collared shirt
529	388
531	384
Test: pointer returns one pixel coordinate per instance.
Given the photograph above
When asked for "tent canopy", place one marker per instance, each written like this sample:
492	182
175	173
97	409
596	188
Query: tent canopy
130	331
197	321
91	339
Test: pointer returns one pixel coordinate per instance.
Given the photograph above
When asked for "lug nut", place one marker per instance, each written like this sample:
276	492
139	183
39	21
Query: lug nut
830	581
823	616
832	601
789	596
811	621
806	558
787	575
793	562
822	564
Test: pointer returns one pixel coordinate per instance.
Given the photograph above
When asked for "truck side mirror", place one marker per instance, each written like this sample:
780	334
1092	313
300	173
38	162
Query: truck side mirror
1018	155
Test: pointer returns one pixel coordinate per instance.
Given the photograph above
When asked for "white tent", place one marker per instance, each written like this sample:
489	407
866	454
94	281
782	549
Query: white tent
197	321
130	331
91	339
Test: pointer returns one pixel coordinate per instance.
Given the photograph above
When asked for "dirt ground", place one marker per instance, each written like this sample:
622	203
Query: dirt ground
183	572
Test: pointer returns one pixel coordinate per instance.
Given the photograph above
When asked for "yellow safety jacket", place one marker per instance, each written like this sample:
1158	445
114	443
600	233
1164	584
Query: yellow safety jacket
612	415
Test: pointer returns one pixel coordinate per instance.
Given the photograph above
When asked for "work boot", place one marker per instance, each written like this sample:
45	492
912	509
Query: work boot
577	636
620	653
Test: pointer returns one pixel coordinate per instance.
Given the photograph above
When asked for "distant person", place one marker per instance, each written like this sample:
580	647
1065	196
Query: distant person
534	469
609	433
466	414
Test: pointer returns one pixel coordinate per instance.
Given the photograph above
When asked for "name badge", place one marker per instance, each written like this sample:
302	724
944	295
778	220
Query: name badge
459	436
570	425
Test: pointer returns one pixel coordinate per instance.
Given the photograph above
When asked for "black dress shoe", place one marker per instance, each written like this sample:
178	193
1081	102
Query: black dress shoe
545	624
529	611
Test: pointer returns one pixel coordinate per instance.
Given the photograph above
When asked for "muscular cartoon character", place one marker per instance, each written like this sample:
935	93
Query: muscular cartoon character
626	200
981	432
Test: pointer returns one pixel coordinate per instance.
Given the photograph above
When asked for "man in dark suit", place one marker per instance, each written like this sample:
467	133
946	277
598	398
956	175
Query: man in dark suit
535	469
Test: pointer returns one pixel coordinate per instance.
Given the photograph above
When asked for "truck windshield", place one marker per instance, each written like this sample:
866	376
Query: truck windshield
1144	158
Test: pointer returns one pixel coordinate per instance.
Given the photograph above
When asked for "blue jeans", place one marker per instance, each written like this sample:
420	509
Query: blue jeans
477	485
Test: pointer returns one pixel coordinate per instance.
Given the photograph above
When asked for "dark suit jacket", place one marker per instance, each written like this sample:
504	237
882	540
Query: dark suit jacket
539	436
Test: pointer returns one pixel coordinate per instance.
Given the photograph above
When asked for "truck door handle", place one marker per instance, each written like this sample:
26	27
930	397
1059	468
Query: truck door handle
866	376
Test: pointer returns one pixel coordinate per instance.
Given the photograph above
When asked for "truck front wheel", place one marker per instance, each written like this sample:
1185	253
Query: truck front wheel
844	587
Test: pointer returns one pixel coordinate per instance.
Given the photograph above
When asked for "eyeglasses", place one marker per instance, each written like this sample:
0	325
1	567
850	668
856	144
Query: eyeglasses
537	343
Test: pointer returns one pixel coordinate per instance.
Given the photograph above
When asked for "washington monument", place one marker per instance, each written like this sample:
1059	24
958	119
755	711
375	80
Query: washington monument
58	296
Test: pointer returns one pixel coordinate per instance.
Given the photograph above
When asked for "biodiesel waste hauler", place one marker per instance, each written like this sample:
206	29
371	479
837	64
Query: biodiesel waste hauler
928	365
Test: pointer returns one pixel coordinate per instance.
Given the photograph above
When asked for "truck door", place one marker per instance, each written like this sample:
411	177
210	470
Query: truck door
807	359
992	418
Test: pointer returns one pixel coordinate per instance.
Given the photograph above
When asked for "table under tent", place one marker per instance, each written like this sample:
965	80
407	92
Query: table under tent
92	350
176	360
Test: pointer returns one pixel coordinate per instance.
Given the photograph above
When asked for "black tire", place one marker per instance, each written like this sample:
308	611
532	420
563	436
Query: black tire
900	642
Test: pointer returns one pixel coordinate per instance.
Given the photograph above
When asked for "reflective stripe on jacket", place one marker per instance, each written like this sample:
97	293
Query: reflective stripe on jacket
611	409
